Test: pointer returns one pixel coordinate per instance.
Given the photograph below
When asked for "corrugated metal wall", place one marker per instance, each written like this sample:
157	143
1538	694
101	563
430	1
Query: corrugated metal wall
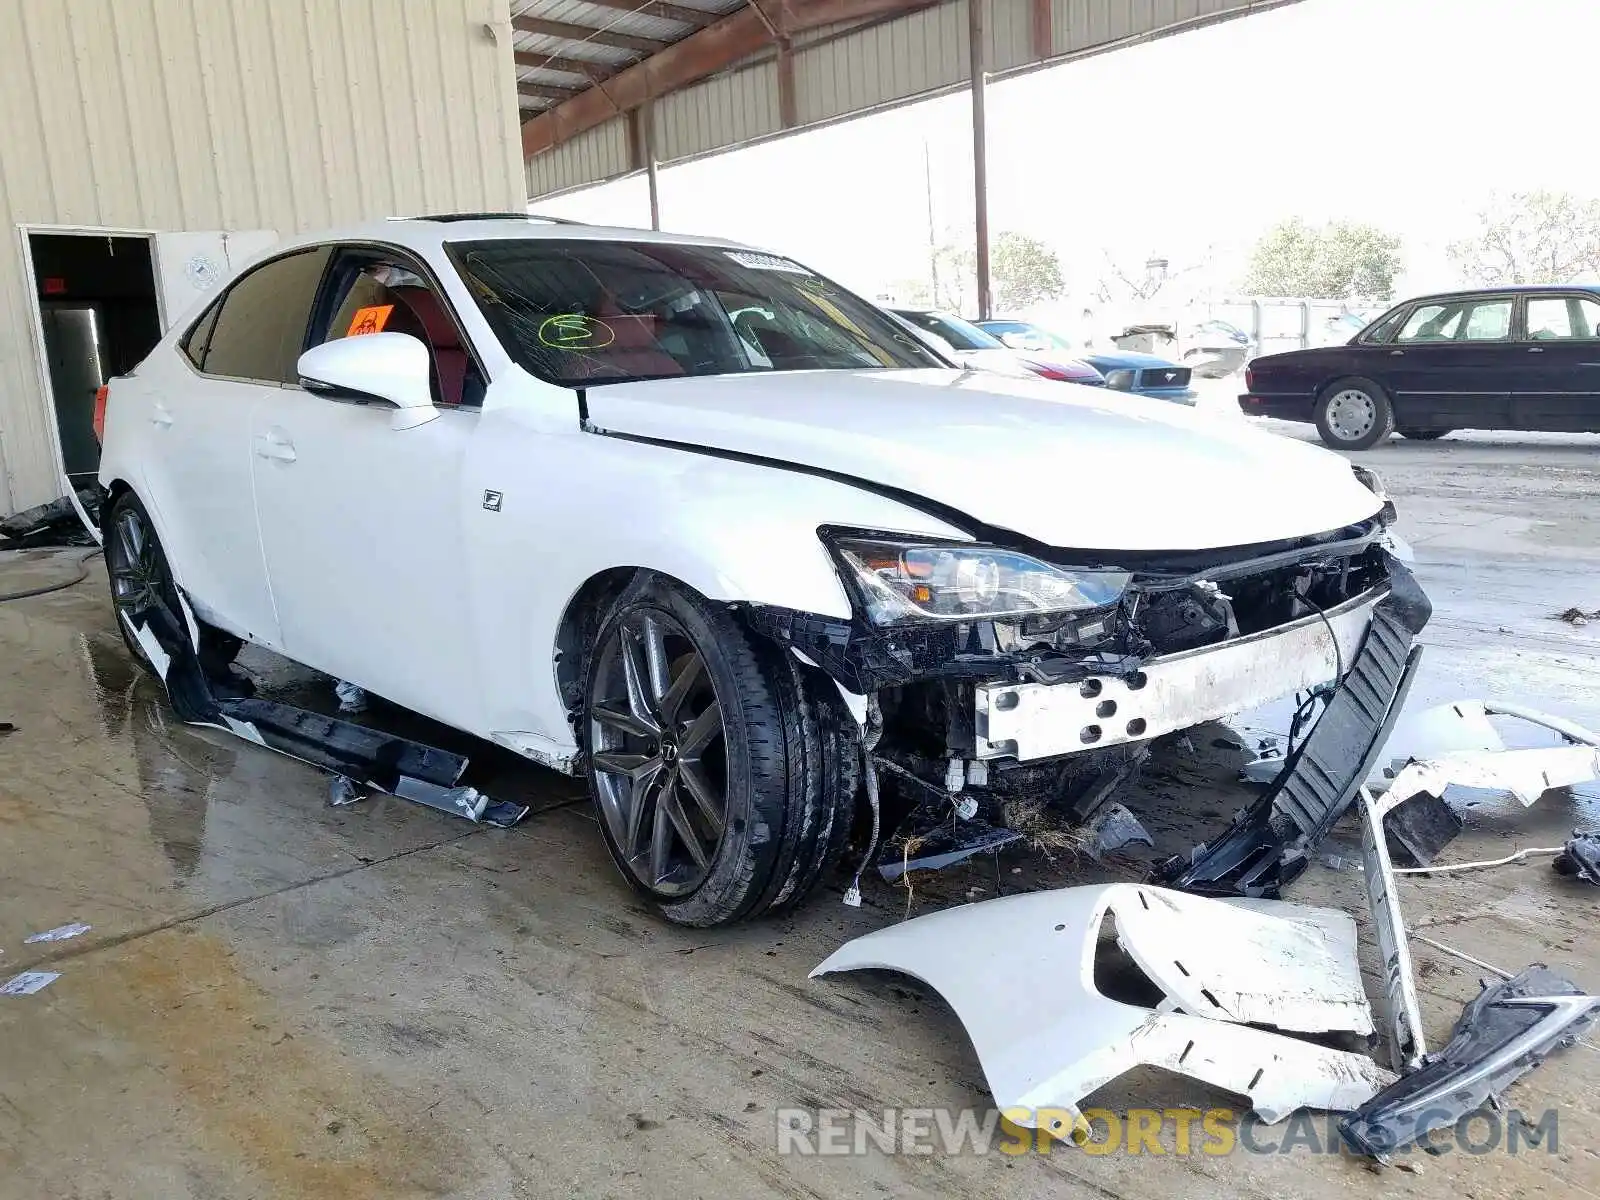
842	74
234	114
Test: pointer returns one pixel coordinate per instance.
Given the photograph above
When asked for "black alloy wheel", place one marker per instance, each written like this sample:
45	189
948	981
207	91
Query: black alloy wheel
658	750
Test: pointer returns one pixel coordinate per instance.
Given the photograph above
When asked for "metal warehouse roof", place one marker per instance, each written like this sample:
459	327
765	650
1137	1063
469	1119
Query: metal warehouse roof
606	86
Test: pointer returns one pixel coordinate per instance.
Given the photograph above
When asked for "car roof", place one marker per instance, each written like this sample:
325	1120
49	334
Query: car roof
431	233
1510	289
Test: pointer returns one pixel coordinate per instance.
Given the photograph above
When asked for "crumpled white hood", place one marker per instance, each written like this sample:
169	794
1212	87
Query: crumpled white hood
1074	467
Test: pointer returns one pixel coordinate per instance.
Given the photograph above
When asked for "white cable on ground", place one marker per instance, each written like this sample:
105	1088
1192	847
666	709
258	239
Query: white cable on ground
1488	862
1462	955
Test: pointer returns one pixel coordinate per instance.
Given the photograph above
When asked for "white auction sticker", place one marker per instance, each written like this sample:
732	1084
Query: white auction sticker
765	262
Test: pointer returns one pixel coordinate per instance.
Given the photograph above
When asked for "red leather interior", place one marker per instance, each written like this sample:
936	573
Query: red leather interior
633	348
450	359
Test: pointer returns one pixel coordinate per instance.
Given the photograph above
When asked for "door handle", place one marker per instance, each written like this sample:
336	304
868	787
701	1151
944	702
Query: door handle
1397	354
1535	349
276	447
161	416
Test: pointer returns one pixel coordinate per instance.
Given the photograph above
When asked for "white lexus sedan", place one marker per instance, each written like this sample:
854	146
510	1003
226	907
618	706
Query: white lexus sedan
694	521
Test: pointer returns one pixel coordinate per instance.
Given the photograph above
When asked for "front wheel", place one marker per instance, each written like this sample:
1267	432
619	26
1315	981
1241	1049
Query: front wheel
1354	414
722	777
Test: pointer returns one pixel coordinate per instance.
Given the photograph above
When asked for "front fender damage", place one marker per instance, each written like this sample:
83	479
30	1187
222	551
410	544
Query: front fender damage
1218	965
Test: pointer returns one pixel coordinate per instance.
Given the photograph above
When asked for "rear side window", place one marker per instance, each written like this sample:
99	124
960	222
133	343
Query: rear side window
1563	318
261	326
198	338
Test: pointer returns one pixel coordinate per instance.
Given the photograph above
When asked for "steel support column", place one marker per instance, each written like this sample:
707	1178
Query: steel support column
654	174
642	150
980	164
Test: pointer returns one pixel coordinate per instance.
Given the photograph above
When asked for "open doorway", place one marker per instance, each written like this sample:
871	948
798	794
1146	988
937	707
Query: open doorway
98	316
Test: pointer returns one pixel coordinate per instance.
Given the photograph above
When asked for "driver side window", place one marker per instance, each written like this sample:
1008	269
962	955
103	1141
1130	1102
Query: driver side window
1431	323
371	291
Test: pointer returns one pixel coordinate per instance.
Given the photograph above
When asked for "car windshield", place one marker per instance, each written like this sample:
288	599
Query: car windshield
1019	335
583	312
963	335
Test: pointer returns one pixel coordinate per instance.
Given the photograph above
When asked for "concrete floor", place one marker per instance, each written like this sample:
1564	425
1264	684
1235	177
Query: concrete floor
279	998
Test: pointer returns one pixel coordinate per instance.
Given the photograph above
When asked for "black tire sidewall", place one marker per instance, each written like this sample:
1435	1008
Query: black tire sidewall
125	503
1382	427
756	757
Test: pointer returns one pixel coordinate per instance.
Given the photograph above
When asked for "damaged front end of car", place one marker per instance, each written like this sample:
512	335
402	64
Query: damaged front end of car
998	682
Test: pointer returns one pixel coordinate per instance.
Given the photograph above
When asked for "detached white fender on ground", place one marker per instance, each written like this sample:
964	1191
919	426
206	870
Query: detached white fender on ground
1019	973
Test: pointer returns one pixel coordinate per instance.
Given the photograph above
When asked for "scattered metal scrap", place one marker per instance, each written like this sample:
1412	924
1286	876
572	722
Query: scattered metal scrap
1219	964
366	757
1504	1032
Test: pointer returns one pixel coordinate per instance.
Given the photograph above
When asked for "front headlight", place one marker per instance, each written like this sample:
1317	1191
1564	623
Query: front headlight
1121	380
902	581
1368	478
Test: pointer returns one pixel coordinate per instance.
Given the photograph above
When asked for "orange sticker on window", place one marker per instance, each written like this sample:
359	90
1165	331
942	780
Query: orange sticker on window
369	320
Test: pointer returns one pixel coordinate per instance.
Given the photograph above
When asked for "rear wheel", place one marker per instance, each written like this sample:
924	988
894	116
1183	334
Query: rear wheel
1354	414
1424	435
723	785
141	579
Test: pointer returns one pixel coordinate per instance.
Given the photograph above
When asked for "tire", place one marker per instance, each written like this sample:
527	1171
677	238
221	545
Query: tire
726	742
137	568
135	584
1424	435
1354	414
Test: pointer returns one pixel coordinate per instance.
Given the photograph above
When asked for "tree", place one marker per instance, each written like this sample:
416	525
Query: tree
1124	285
955	277
1024	272
1531	237
1340	261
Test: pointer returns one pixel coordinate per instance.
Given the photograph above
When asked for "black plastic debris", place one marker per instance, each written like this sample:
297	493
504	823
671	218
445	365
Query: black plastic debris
54	524
1113	828
1504	1032
1580	858
1420	828
931	838
1270	844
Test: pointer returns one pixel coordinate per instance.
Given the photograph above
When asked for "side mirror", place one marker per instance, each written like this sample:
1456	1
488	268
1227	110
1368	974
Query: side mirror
390	369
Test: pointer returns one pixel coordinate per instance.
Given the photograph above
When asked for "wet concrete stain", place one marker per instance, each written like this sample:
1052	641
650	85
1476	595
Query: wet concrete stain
303	1118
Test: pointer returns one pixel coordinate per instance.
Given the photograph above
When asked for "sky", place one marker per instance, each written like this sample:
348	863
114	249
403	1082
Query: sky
1408	114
